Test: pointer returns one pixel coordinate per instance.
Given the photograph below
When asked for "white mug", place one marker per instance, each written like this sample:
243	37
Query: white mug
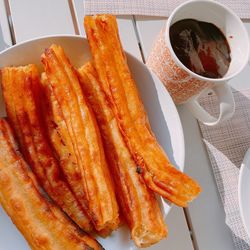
185	86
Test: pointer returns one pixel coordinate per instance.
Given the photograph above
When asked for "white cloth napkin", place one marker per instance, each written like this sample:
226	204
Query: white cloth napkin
226	145
153	7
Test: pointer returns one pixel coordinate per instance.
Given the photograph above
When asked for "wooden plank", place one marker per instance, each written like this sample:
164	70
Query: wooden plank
5	35
126	28
33	18
206	213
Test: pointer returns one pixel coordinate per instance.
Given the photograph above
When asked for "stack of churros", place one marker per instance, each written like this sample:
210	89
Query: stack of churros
138	203
120	89
42	224
19	85
91	182
89	147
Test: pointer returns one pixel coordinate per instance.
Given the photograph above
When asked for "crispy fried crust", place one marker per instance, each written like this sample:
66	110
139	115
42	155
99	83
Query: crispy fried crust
137	202
116	80
84	136
60	140
19	88
42	224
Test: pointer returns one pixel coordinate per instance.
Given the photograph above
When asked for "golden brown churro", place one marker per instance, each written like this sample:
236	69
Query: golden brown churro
92	183
43	225
117	83
19	89
137	202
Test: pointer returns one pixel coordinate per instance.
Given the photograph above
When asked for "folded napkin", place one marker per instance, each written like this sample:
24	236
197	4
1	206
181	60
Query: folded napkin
226	145
153	7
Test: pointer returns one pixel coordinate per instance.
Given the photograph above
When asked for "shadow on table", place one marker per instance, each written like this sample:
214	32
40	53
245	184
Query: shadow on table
239	242
232	137
3	44
226	145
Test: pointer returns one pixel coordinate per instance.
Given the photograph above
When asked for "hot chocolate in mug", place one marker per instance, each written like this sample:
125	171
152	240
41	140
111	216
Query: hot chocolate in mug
184	85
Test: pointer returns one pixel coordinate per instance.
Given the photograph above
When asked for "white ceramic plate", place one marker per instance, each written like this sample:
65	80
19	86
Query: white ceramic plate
244	191
161	110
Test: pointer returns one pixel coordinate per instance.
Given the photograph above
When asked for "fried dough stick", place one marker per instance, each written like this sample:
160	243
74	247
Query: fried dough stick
93	177
24	115
119	86
137	202
59	139
42	224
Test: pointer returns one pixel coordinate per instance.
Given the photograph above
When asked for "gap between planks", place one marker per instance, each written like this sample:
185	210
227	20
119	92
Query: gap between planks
12	33
73	15
138	39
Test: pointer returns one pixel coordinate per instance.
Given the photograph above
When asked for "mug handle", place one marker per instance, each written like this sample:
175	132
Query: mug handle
226	102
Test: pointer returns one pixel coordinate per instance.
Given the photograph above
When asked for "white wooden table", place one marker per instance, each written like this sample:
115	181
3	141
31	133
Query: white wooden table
202	225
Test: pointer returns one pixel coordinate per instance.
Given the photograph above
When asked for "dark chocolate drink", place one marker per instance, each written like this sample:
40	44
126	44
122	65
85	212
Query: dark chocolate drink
201	47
